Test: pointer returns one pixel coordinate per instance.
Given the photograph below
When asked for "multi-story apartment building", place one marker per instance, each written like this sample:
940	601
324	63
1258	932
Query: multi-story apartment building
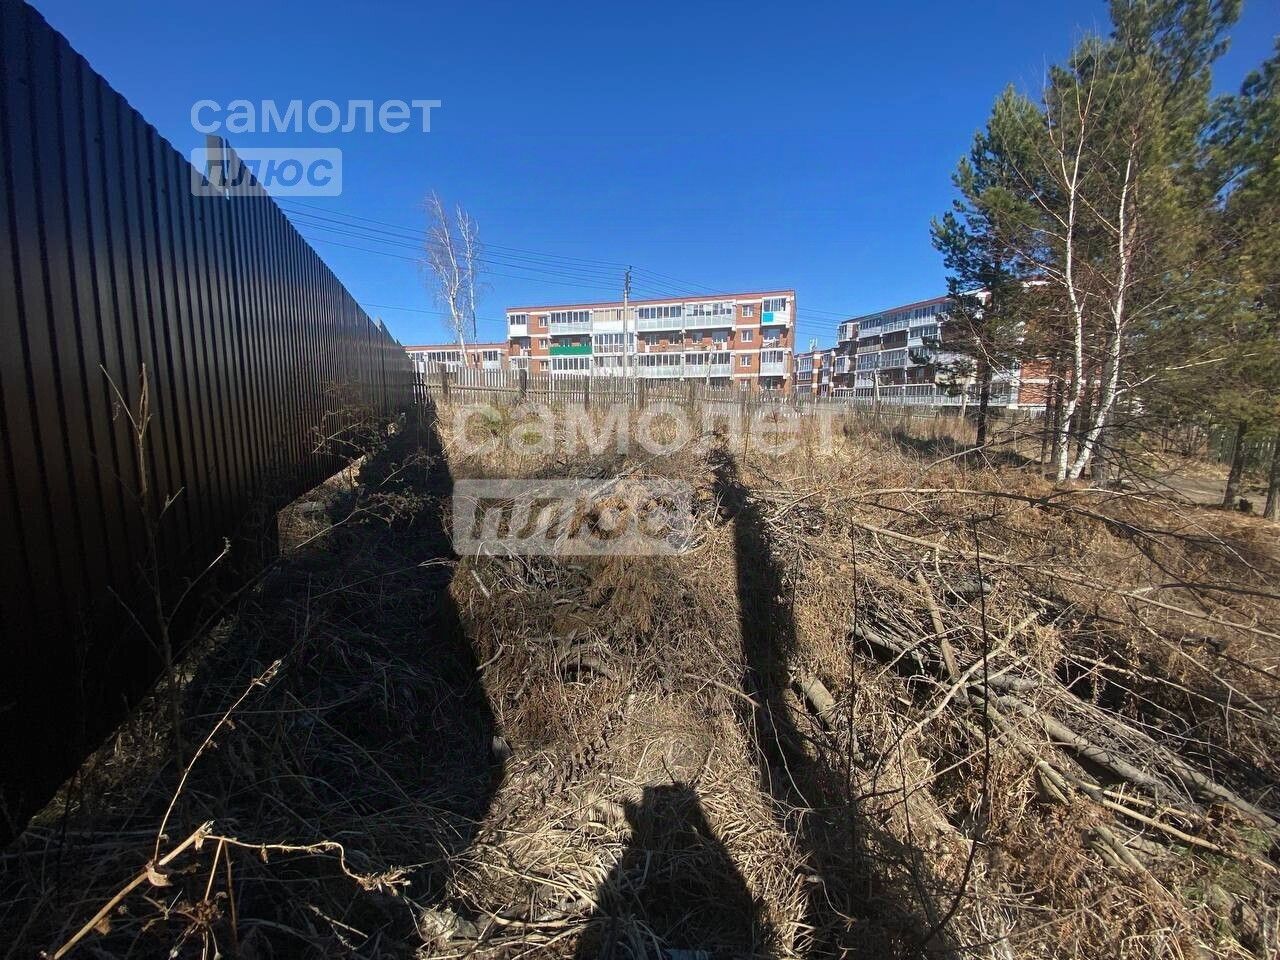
813	371
895	355
742	339
433	357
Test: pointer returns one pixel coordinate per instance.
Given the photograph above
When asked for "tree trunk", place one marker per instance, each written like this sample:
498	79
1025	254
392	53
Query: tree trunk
1070	409
984	402
1272	511
1101	458
1047	428
1080	428
1055	441
1236	473
1108	386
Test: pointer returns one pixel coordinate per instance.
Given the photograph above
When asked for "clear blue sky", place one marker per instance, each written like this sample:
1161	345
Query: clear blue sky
724	145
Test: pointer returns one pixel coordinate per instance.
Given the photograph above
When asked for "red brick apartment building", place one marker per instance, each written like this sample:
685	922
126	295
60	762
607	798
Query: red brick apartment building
741	339
433	357
893	356
813	372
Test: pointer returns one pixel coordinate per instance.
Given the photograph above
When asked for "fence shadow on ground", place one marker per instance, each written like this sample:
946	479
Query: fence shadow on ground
857	904
375	734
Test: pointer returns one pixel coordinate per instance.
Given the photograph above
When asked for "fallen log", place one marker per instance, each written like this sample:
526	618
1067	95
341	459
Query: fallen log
1204	786
1102	756
816	694
944	645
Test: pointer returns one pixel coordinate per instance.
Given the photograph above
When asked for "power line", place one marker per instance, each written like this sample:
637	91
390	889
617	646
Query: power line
575	273
395	256
434	313
402	227
372	236
662	283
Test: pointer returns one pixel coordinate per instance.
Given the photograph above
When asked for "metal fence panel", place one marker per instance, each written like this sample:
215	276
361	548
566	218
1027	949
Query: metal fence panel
109	265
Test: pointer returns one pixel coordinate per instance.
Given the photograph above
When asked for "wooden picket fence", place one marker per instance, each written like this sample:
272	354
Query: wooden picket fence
507	387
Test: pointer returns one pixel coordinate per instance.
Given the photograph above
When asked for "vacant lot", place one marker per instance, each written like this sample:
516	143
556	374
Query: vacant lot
886	699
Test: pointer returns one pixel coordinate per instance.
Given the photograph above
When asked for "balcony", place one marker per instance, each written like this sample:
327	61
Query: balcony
673	372
696	367
660	323
781	317
558	328
707	321
777	369
570	350
518	329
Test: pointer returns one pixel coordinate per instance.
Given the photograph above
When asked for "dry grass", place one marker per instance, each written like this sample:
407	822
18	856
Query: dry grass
528	756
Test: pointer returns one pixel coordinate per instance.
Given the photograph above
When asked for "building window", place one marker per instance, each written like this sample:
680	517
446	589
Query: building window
744	360
775	304
748	310
660	359
746	336
570	317
518	319
720	336
661	313
709	309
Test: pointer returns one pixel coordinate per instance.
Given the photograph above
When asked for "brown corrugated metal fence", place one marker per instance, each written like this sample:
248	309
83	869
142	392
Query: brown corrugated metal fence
108	263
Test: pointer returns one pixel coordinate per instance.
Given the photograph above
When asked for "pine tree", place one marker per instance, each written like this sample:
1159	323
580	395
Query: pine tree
1245	153
1116	199
986	272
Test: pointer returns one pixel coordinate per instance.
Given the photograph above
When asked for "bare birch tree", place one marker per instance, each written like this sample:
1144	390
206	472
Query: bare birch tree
453	257
1109	165
1086	237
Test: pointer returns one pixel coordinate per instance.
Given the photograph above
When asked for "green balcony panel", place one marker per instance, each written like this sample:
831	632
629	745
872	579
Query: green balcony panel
571	350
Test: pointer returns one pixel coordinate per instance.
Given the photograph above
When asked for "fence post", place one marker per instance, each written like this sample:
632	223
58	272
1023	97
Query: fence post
444	384
586	393
642	389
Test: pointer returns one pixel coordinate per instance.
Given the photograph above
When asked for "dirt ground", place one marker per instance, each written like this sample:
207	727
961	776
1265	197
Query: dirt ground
884	700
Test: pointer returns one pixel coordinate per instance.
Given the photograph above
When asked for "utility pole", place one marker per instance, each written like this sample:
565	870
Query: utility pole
626	341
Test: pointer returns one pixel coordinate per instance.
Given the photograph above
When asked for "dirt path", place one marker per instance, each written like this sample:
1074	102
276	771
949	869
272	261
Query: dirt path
1205	488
